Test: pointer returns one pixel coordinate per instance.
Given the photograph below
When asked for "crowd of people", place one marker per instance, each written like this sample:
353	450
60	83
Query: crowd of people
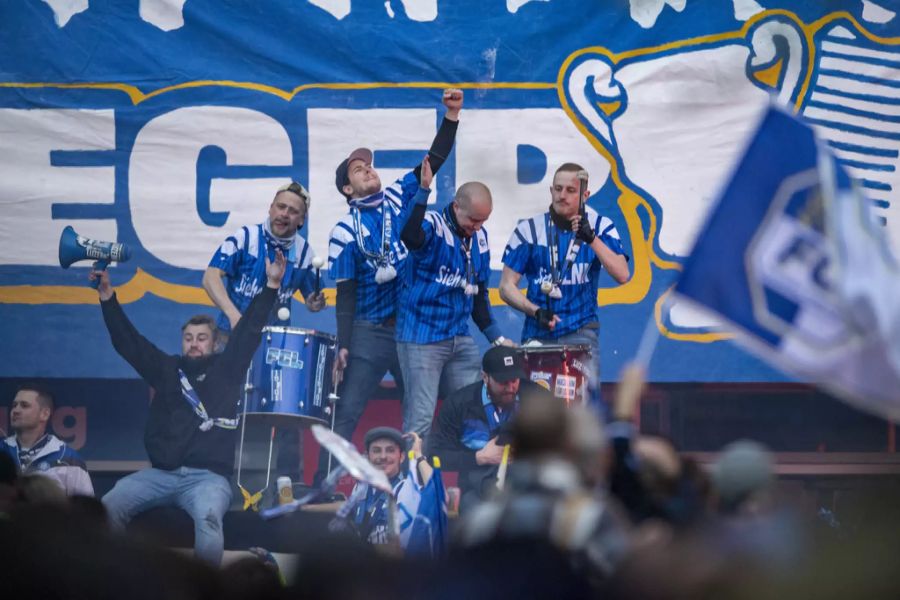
586	511
559	498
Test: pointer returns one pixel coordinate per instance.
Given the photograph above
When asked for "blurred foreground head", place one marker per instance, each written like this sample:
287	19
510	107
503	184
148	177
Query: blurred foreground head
743	477
546	428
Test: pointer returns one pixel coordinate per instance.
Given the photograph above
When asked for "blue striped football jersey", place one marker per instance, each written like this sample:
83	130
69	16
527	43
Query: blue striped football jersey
435	305
242	258
346	260
528	253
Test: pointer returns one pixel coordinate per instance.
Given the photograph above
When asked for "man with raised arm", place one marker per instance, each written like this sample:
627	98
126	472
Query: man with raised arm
191	430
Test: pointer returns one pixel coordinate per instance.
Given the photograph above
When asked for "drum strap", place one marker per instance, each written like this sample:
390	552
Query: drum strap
379	261
559	273
206	423
469	286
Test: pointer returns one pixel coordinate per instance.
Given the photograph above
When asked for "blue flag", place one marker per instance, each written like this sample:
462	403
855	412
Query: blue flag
422	515
793	257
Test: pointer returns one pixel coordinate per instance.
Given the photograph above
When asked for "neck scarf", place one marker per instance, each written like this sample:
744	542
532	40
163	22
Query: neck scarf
380	261
27	455
273	240
470	288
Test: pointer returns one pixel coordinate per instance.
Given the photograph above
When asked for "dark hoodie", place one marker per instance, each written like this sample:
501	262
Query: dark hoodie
173	437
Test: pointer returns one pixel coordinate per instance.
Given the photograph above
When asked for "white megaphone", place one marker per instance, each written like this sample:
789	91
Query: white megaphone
74	248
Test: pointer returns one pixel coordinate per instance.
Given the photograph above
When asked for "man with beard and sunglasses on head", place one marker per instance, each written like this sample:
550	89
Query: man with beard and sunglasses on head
237	271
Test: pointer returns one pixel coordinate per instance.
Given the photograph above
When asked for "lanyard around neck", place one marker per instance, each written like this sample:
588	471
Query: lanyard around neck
494	417
553	238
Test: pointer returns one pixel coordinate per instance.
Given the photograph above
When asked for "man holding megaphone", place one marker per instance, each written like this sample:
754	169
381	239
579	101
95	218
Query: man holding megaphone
191	429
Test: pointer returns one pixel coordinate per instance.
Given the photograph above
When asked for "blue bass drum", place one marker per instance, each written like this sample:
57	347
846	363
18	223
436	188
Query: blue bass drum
289	380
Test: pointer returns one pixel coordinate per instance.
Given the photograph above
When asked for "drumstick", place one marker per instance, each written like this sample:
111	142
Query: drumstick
501	472
318	262
332	399
582	176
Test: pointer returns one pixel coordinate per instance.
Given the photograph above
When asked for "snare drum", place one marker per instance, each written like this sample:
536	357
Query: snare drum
564	370
290	377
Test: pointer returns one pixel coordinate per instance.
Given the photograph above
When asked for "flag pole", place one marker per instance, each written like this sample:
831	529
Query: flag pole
633	377
649	339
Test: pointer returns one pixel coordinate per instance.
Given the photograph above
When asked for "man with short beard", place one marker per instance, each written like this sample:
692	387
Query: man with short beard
191	430
237	271
467	434
561	253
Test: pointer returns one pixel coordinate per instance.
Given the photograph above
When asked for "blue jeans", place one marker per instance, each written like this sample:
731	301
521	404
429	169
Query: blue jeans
373	352
429	369
202	494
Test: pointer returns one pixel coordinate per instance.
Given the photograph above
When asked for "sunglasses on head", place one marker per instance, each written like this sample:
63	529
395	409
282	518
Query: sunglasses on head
296	188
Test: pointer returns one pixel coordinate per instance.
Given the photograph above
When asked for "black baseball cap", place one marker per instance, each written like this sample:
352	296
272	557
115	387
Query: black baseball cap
340	174
378	433
503	363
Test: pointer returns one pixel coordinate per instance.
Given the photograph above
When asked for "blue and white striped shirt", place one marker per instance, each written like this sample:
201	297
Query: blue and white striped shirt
242	258
435	306
374	302
528	253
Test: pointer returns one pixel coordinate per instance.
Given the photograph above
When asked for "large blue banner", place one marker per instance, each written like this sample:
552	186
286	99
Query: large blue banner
168	124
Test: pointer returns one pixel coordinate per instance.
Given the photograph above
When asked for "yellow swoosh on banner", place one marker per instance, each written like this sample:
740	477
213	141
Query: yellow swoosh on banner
141	284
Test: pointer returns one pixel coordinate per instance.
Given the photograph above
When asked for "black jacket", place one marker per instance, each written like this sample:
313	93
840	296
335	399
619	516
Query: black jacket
446	437
173	437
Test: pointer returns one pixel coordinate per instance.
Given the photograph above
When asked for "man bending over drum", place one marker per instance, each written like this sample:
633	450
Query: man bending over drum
190	432
561	253
365	256
237	271
470	427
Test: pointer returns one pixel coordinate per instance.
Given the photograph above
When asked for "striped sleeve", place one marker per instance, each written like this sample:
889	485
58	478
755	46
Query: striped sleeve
342	251
227	256
516	254
403	190
304	273
609	235
434	227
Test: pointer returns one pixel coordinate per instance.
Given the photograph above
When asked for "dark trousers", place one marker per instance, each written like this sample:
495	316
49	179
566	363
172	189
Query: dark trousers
373	352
